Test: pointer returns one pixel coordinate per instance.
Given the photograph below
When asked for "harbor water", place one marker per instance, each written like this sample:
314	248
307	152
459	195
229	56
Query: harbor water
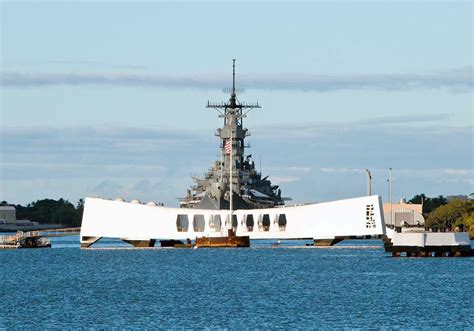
355	285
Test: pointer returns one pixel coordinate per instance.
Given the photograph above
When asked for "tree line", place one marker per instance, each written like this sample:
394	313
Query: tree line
439	213
455	214
50	211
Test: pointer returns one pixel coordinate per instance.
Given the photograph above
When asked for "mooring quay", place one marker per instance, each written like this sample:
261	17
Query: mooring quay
428	244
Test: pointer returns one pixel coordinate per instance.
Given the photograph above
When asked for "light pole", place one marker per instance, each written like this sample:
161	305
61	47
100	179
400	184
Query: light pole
369	182
388	196
390	192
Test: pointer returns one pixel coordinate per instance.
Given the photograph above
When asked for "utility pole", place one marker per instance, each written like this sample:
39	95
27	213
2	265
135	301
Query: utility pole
369	182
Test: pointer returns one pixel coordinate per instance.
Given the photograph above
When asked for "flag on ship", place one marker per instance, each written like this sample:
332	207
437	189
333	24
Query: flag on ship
228	146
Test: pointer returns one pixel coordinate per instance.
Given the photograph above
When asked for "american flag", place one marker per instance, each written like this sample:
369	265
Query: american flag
228	146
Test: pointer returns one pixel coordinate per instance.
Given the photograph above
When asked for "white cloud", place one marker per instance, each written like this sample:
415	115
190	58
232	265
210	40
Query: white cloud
292	169
455	79
461	176
341	170
459	172
406	119
74	163
142	189
277	180
299	169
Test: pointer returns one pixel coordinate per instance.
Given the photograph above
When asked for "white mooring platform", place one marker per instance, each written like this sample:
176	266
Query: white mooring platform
426	244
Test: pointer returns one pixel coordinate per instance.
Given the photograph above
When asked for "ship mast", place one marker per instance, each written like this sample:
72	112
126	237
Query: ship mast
231	168
233	112
231	189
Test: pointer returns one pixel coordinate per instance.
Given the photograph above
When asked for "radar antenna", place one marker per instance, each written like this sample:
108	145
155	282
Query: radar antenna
233	76
233	106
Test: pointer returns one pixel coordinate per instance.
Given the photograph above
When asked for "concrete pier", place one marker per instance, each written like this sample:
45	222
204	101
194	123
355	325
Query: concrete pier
429	244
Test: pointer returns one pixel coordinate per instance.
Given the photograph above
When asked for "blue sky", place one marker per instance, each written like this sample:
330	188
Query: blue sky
109	98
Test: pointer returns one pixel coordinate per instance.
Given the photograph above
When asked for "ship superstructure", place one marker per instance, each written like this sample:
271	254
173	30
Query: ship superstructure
249	189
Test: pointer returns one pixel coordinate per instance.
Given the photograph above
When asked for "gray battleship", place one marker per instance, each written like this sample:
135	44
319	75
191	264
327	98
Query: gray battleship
249	189
231	205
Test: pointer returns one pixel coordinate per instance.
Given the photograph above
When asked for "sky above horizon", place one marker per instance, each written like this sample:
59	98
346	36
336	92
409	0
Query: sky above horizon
108	99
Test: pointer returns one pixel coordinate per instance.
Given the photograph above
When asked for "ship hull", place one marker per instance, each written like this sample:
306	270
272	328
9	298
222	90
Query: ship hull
128	221
228	241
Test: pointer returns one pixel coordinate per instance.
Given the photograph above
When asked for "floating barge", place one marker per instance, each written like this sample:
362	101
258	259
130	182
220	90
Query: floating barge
429	244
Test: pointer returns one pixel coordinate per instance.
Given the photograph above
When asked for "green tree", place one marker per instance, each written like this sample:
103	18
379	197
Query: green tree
52	211
454	214
79	211
429	204
467	220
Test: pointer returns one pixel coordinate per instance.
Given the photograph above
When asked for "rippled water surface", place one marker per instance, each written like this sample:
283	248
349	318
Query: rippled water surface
260	287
